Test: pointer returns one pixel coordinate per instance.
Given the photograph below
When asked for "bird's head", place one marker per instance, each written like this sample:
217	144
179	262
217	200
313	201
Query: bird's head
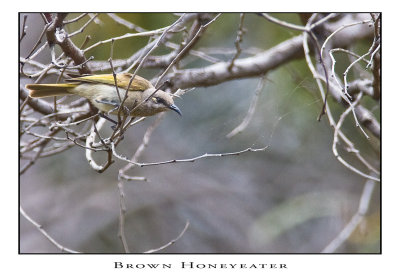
157	102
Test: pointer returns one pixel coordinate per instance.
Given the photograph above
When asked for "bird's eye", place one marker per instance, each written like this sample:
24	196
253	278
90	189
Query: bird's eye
156	99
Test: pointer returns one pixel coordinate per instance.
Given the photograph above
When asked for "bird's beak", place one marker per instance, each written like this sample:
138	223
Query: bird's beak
175	108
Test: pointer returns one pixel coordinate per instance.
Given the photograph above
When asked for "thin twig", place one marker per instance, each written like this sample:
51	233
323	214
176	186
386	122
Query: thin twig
143	145
38	43
197	53
45	234
335	141
239	39
355	221
340	29
80	30
376	59
330	117
65	124
56	150
122	213
242	126
113	71
133	178
126	23
33	159
322	63
295	26
125	36
345	87
24	28
75	19
30	56
171	242
158	42
198	157
40	140
283	23
184	50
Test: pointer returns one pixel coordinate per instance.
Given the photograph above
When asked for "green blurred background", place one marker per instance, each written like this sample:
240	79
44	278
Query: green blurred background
293	198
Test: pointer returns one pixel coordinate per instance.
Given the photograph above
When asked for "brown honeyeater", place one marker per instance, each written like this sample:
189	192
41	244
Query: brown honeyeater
102	93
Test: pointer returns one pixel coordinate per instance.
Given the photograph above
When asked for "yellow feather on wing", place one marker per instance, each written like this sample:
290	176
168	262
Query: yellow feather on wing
138	83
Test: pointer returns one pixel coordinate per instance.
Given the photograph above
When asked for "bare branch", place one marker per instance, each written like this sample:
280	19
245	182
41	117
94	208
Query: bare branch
89	152
45	234
242	126
239	39
186	48
127	35
126	23
202	156
171	242
75	19
56	35
340	29
243	68
330	117
335	141
355	220
80	30
122	213
24	28
283	23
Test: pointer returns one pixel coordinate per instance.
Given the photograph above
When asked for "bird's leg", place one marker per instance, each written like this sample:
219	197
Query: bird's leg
112	103
109	119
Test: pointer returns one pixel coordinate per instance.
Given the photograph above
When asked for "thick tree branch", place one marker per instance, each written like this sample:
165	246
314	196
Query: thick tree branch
56	35
263	62
246	67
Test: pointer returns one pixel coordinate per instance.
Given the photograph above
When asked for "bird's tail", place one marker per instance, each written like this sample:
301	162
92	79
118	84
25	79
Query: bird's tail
46	90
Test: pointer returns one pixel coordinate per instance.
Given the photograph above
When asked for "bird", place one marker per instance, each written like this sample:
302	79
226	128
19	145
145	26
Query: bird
143	98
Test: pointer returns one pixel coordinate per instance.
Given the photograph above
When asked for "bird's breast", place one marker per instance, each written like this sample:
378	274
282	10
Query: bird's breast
105	97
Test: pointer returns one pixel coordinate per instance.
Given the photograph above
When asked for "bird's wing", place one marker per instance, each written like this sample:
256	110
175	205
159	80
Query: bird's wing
138	83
